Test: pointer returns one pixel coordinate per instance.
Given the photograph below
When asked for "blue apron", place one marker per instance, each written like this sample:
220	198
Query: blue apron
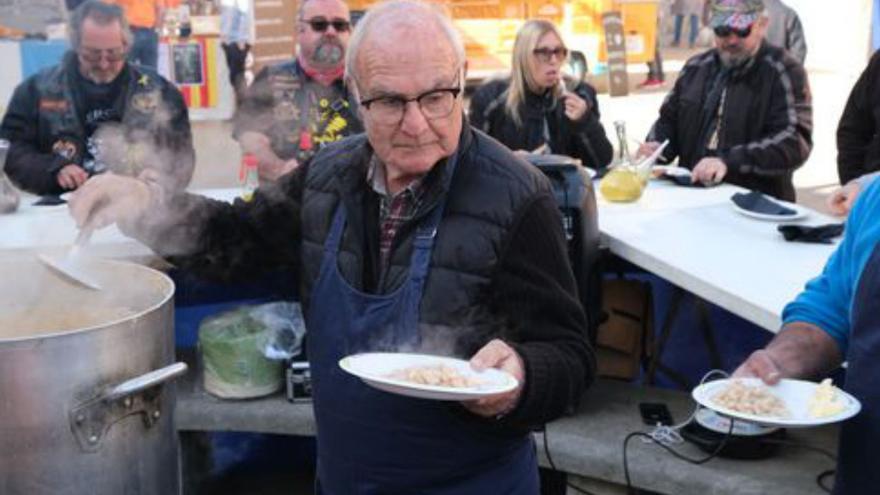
858	463
376	443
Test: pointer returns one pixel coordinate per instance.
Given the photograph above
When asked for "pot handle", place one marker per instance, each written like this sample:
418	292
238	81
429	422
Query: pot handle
91	420
145	381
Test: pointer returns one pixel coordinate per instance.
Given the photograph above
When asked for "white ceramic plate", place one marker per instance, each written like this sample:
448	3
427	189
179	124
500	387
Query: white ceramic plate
799	212
374	367
795	394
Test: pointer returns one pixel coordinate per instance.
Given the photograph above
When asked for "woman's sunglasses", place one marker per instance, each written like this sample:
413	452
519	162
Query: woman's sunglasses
725	31
547	54
319	24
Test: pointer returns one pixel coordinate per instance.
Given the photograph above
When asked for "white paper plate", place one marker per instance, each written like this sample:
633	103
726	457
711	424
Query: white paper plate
799	212
796	395
374	367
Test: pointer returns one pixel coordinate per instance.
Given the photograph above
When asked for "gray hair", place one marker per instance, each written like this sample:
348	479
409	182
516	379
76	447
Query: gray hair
407	13
102	13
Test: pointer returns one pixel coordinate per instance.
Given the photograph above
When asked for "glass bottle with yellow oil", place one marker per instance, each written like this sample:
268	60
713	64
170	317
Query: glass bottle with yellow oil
623	182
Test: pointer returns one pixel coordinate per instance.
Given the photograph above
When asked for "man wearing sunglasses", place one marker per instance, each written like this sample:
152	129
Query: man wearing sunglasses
421	235
741	112
295	108
96	112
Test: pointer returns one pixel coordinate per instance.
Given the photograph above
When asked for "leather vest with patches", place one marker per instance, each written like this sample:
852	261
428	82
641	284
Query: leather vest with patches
60	128
306	115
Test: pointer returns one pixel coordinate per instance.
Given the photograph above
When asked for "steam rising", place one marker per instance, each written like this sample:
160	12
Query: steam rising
154	152
461	339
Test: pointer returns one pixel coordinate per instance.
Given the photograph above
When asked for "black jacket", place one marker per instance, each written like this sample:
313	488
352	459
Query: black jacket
499	267
858	141
766	132
46	132
584	139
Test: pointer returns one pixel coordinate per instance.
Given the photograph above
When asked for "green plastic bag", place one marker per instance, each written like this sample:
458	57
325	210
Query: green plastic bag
233	357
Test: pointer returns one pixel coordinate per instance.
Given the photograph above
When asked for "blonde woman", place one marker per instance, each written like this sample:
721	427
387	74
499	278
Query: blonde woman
531	110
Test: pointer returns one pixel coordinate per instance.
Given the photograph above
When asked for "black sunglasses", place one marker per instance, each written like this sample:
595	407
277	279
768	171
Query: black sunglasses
319	24
725	31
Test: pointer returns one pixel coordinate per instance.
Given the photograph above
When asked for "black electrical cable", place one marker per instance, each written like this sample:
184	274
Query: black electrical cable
553	465
629	487
820	480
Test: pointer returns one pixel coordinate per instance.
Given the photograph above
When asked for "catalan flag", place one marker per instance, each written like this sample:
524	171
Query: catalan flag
193	68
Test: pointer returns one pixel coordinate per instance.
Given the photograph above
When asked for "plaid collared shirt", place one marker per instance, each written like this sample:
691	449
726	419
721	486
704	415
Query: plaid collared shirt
394	209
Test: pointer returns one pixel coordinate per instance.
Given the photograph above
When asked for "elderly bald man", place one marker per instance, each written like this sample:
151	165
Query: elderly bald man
422	235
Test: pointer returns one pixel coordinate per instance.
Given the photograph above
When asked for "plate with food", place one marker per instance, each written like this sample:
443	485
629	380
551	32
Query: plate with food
790	403
426	376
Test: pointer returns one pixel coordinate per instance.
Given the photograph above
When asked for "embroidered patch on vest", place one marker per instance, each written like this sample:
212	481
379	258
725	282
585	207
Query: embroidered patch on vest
47	105
145	102
64	148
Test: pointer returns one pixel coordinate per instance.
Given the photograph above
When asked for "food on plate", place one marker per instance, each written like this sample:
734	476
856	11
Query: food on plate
757	400
825	401
437	375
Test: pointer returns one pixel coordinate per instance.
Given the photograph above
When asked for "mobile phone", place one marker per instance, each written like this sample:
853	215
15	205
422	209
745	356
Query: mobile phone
654	413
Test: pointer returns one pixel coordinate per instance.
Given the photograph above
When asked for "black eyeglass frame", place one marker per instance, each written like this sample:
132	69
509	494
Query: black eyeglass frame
320	24
418	99
725	31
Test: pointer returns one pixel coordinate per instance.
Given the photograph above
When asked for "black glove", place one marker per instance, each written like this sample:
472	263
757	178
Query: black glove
823	234
758	203
49	200
682	180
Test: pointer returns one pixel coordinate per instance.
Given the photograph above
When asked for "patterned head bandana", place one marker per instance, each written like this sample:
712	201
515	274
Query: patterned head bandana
737	14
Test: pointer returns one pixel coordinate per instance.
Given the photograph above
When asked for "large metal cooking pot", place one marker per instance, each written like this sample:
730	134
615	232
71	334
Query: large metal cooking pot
85	400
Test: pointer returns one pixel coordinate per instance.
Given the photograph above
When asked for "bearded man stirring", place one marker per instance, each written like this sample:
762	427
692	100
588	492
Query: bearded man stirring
740	112
295	108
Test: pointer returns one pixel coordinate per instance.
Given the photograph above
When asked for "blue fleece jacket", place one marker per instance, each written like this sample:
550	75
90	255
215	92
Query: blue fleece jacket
827	299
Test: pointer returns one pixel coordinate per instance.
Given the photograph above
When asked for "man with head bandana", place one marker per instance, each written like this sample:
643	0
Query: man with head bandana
740	112
295	108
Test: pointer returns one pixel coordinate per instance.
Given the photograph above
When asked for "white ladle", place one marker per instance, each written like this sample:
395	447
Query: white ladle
73	263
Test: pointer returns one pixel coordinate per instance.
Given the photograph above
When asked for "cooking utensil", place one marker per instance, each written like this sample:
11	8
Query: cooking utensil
73	263
87	404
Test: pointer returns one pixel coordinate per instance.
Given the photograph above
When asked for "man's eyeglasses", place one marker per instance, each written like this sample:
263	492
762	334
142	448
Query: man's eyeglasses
94	55
434	104
546	54
320	24
725	31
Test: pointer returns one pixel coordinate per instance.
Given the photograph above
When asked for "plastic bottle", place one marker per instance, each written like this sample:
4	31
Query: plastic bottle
248	176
